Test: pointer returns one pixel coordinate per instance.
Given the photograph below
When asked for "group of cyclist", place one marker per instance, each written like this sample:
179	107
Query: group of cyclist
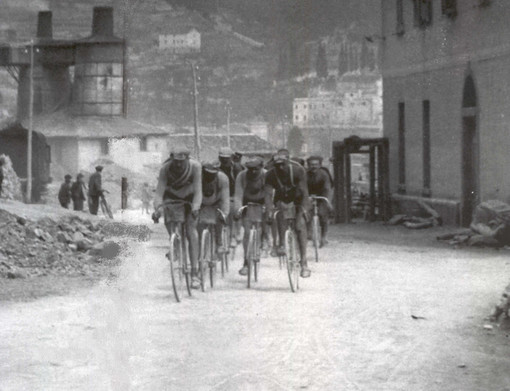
228	185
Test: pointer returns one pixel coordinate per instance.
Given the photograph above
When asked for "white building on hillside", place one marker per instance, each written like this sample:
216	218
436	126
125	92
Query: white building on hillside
181	42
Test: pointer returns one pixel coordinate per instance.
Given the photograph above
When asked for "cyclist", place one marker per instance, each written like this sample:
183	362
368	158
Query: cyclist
319	184
288	181
215	192
180	178
231	169
250	188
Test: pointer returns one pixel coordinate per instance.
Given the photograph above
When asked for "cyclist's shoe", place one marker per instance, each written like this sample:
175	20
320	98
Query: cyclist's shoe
274	252
195	282
221	250
323	243
280	251
243	271
305	272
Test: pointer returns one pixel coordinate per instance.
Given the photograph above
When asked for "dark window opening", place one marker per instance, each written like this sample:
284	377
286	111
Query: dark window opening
422	13
400	17
401	148
426	149
143	144
104	146
449	8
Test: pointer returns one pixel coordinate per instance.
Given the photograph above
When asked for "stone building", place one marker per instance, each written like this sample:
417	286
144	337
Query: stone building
181	42
446	103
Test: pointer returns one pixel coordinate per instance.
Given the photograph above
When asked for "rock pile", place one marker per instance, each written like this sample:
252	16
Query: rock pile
11	186
71	246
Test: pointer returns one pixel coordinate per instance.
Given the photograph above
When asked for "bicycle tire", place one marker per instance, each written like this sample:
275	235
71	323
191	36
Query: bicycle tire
204	257
178	272
256	254
292	260
212	257
251	255
226	244
315	237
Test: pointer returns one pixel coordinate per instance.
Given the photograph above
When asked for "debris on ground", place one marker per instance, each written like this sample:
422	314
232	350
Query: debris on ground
11	185
428	218
490	227
70	245
503	307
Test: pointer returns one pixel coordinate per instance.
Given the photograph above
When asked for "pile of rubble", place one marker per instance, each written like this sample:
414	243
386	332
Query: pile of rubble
71	246
428	217
11	185
490	227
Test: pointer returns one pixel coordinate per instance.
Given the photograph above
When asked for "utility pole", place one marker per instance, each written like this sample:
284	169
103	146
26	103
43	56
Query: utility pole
228	123
195	111
30	125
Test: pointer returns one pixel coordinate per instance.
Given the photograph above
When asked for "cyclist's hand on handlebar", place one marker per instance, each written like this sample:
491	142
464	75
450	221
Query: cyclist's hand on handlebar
195	213
222	218
155	217
238	214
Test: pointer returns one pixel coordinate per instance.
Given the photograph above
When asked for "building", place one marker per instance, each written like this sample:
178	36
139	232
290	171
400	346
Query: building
81	112
446	102
353	108
187	40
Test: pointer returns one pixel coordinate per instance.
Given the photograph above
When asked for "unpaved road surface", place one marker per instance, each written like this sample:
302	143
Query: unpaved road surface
349	328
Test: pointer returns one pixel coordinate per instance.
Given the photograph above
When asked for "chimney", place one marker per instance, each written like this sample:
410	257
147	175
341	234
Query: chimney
44	25
102	22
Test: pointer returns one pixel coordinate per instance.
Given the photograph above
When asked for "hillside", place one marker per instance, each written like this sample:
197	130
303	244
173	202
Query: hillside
244	47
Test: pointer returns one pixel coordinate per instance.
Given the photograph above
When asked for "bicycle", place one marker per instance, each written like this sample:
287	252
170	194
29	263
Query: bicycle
180	270
316	224
254	213
105	207
208	256
292	256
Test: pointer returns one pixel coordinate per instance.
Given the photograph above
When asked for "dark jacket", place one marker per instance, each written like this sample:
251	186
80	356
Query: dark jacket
77	191
232	172
95	186
64	195
288	187
319	183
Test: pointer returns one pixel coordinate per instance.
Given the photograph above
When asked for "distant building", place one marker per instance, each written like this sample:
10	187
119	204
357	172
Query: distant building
446	102
182	42
354	108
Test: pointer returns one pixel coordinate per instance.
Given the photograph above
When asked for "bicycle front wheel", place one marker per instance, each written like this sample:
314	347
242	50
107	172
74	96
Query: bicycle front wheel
205	252
178	271
252	242
292	259
315	237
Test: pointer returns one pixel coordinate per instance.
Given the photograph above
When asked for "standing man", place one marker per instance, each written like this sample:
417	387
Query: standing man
146	198
288	182
250	188
319	184
180	179
64	195
95	190
78	193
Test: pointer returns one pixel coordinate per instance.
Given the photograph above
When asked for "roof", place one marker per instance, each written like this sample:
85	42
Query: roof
16	130
63	124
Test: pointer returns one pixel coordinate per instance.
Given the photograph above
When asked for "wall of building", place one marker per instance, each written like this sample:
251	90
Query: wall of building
181	43
64	152
89	150
432	63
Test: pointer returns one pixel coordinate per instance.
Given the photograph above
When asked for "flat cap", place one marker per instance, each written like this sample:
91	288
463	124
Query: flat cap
254	162
226	152
181	154
99	168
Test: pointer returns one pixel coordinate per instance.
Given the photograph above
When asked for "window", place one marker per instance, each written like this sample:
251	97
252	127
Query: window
401	148
426	149
400	17
143	144
422	13
449	8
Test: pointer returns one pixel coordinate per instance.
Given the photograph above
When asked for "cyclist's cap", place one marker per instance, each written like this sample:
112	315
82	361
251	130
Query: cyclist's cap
212	167
314	157
238	155
283	151
181	154
225	152
99	168
67	176
254	162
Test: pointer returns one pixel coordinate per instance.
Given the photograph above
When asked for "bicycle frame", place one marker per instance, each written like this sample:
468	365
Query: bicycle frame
253	248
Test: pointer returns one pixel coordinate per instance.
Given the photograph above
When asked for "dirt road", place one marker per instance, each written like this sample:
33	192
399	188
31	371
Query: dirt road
349	328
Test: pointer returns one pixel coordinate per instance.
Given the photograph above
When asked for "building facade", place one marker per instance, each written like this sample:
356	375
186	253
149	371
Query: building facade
446	103
181	43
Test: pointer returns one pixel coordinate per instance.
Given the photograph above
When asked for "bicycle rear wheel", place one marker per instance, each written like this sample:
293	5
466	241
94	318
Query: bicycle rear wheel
224	256
178	269
315	237
292	260
212	258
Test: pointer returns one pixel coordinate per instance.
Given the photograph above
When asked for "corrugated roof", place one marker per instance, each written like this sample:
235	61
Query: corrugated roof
62	124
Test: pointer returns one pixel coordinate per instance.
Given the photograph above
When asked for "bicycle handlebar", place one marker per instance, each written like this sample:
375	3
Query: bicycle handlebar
315	198
172	202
